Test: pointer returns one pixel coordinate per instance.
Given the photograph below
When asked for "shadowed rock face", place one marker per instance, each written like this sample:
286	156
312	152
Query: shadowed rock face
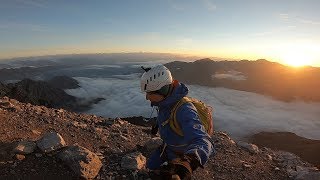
49	94
3	89
40	93
23	72
64	82
14	74
261	76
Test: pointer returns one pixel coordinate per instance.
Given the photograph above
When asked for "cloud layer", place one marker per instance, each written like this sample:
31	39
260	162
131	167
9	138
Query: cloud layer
239	113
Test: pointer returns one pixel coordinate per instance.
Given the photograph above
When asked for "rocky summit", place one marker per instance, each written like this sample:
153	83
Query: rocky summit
37	142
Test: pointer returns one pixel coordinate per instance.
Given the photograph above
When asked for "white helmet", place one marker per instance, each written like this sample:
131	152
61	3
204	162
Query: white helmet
155	78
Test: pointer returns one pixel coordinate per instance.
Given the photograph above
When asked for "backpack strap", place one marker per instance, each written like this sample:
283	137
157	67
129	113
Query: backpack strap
171	113
173	122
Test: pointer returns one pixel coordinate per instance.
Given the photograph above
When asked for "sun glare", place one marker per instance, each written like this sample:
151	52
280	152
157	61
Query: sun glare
299	56
296	59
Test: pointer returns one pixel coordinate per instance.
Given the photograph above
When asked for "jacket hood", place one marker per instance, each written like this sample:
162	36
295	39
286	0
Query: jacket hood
179	91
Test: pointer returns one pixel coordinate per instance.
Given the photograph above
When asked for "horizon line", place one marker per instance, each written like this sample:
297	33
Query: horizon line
145	52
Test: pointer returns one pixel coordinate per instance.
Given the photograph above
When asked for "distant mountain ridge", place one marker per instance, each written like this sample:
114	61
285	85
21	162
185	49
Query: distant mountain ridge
40	93
261	76
19	73
48	93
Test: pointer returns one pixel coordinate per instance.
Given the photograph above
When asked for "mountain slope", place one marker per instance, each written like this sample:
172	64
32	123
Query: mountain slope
112	139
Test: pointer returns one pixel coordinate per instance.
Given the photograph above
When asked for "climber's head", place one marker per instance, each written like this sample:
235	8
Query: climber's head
156	82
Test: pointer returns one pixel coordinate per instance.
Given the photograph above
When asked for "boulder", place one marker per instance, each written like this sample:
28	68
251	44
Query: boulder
5	104
50	142
152	144
8	104
24	147
81	161
133	161
249	147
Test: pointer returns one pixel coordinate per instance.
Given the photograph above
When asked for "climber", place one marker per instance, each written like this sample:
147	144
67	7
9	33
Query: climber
180	154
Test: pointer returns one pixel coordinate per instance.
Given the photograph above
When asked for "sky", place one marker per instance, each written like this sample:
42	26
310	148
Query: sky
286	31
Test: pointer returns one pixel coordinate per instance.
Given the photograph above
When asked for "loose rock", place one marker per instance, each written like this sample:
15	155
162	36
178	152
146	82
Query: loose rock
20	157
249	147
269	157
51	141
79	124
83	162
36	132
133	161
38	155
25	147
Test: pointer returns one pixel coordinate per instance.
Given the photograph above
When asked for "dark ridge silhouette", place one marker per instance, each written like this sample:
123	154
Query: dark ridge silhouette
261	76
64	82
40	93
48	94
3	89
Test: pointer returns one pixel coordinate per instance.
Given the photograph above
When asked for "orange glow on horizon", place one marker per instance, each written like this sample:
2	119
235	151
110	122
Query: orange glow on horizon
295	57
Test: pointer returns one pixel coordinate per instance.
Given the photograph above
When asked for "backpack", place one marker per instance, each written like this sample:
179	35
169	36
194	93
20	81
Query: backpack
204	113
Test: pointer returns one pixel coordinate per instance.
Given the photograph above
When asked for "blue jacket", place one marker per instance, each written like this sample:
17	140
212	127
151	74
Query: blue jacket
195	140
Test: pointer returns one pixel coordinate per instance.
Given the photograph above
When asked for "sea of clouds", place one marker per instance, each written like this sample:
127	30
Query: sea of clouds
239	113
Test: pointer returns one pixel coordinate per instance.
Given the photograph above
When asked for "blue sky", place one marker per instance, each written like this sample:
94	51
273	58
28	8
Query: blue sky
287	31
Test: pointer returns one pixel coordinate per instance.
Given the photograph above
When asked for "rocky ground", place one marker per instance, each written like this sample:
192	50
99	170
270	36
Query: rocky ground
42	143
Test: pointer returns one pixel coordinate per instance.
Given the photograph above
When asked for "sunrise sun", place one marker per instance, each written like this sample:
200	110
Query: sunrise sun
298	57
